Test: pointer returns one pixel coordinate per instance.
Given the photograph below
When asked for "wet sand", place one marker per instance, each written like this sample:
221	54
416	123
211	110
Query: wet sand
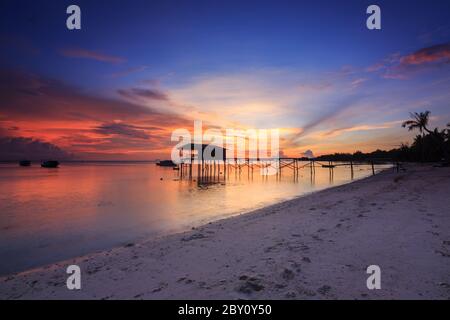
314	247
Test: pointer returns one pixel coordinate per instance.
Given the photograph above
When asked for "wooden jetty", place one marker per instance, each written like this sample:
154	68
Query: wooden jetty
216	169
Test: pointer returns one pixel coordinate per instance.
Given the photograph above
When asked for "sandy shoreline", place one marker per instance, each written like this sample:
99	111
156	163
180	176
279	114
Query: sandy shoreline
314	247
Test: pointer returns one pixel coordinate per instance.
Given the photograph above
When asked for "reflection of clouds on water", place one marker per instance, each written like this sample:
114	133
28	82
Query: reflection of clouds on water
85	207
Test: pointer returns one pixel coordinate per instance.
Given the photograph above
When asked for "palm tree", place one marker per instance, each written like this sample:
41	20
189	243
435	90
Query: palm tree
419	121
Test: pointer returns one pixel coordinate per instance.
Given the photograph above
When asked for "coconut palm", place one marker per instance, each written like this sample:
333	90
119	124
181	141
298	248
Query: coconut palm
419	121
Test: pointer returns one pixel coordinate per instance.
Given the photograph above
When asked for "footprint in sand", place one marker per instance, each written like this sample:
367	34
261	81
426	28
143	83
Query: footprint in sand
290	295
296	266
249	285
442	253
161	286
195	236
306	292
287	274
323	290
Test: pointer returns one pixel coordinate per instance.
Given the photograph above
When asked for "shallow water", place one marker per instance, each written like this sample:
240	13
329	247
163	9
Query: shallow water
47	215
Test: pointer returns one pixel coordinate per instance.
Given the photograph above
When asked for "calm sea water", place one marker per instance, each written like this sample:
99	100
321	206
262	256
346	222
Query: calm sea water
47	215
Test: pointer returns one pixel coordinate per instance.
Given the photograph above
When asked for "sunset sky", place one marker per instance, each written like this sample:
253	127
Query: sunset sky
139	69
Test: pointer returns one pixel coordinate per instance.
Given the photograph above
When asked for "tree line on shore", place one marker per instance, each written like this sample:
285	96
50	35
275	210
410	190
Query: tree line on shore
427	146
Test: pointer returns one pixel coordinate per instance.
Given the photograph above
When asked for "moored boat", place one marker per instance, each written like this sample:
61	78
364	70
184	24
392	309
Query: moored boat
166	163
50	164
25	163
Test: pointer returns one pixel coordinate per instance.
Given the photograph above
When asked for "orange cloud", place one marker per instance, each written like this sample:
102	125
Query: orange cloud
51	111
436	53
401	67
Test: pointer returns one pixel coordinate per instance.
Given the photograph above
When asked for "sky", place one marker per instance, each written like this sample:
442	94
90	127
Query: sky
137	70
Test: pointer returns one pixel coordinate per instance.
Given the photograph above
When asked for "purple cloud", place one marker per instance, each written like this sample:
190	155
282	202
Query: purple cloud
17	148
92	55
143	93
119	128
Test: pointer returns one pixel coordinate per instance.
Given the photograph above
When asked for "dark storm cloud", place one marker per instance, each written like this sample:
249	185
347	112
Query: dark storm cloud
17	148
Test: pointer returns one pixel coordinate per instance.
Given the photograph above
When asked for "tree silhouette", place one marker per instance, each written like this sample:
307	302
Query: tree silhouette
419	121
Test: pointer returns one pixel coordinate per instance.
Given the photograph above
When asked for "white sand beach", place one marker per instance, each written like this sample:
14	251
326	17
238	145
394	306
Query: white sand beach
314	247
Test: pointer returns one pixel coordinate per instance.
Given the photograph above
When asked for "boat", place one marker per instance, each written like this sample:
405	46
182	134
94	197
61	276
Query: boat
166	163
25	163
50	164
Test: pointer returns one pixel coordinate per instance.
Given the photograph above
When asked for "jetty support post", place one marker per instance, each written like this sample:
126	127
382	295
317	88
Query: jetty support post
351	168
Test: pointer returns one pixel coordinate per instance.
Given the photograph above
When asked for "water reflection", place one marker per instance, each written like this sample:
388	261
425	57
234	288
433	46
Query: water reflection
51	214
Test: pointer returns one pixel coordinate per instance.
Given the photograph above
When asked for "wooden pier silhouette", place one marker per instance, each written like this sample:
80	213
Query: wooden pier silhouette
217	170
217	167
